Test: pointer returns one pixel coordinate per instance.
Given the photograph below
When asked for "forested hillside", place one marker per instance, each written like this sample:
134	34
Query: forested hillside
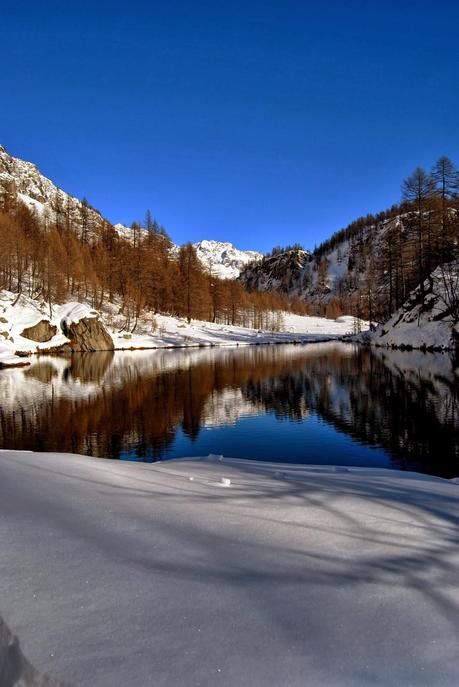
370	267
54	247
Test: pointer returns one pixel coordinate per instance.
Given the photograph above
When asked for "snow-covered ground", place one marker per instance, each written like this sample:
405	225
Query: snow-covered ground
171	331
158	331
221	572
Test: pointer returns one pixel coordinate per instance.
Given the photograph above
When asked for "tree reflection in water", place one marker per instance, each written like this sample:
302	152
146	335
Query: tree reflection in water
135	404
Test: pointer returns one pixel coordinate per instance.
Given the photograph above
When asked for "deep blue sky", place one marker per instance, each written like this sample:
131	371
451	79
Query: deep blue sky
261	123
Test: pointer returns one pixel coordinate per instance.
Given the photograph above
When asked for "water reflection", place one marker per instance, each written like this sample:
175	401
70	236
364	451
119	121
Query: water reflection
322	403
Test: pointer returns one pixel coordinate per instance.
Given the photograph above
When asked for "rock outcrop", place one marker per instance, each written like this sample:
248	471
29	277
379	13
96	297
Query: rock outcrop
88	334
41	332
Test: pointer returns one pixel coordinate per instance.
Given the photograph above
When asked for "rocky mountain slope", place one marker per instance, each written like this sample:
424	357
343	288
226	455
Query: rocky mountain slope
283	271
21	181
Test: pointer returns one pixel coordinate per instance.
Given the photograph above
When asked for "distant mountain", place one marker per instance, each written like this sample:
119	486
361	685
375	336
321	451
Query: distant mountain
224	260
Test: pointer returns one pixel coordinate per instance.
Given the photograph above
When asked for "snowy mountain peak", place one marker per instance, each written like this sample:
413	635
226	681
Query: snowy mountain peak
223	258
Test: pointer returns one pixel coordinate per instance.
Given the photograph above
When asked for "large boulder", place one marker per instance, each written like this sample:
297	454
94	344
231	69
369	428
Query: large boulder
88	334
42	331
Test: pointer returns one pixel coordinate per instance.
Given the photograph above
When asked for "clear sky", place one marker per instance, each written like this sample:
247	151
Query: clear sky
257	122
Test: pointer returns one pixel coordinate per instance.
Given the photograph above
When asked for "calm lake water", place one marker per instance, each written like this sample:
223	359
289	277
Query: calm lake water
319	404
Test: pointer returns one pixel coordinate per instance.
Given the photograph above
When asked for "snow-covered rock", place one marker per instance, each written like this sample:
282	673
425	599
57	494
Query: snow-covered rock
68	326
87	334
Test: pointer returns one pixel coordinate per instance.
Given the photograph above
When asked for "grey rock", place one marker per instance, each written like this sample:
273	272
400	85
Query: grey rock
89	334
42	331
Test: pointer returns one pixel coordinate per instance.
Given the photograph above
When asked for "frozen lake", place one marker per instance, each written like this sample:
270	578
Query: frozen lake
316	404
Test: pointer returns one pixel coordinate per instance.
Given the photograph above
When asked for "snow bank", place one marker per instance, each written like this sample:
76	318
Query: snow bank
129	574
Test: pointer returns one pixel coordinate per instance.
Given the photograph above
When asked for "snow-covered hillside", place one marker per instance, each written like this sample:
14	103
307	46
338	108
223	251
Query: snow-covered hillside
338	270
21	181
430	316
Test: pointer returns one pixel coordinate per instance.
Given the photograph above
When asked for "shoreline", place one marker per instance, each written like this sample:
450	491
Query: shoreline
24	360
27	359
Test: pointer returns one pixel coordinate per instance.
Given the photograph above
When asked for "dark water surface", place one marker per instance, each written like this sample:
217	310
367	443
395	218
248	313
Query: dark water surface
319	404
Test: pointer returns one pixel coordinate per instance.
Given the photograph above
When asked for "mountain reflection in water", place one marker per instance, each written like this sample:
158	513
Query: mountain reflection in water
319	404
